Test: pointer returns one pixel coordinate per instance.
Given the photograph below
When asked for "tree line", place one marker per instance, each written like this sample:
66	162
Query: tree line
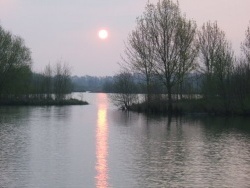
92	83
18	84
195	68
52	83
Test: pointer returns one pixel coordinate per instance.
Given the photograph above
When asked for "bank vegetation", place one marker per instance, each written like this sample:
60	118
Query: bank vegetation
182	68
20	86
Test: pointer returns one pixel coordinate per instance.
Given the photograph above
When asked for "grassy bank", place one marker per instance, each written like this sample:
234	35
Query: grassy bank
193	106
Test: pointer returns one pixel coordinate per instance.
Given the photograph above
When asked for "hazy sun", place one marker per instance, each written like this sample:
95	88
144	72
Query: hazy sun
103	34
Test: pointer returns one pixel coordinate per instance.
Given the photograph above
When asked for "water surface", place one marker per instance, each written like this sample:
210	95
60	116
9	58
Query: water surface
99	146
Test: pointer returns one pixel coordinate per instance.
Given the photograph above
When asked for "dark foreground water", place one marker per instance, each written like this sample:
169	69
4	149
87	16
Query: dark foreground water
98	146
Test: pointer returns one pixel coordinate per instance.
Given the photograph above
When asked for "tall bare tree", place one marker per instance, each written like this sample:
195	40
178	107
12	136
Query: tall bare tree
139	54
48	81
211	39
245	46
188	50
218	61
241	75
169	39
62	82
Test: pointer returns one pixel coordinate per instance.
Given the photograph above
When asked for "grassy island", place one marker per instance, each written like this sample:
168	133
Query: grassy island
19	85
194	106
43	102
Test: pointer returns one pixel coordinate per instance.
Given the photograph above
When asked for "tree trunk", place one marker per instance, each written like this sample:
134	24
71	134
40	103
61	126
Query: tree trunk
170	100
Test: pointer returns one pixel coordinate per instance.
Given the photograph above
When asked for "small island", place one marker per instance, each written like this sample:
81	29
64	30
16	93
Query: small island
42	102
179	68
19	85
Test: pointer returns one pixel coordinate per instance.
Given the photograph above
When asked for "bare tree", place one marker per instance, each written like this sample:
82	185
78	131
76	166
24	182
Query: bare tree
48	81
211	39
245	46
241	76
214	49
217	57
240	84
124	87
188	51
139	54
62	82
171	37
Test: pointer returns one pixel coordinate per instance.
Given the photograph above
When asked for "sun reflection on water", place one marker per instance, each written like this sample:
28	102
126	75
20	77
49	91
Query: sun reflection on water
101	143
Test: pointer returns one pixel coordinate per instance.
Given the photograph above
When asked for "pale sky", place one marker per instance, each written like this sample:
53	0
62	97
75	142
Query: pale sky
67	30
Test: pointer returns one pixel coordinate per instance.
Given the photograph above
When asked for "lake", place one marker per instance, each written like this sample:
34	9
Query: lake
99	146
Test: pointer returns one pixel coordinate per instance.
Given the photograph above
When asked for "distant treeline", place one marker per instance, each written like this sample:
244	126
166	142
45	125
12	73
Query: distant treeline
108	84
103	84
196	68
92	83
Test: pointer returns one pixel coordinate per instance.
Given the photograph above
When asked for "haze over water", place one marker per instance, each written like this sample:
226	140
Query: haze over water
99	146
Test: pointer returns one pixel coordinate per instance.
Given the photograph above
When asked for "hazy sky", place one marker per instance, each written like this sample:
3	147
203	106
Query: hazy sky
67	29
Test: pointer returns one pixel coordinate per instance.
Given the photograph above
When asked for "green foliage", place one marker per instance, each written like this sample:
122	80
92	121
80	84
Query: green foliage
16	79
15	65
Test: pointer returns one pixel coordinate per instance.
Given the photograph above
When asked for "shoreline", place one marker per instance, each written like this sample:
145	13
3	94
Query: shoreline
43	102
191	108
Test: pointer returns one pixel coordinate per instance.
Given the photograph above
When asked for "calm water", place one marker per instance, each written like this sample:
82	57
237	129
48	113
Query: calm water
98	146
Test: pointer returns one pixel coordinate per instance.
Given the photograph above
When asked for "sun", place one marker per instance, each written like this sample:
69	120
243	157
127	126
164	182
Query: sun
103	34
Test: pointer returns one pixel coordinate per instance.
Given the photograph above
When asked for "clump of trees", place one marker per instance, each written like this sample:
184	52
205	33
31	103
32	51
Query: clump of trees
52	83
217	58
125	90
163	46
196	68
19	85
15	65
225	84
241	76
